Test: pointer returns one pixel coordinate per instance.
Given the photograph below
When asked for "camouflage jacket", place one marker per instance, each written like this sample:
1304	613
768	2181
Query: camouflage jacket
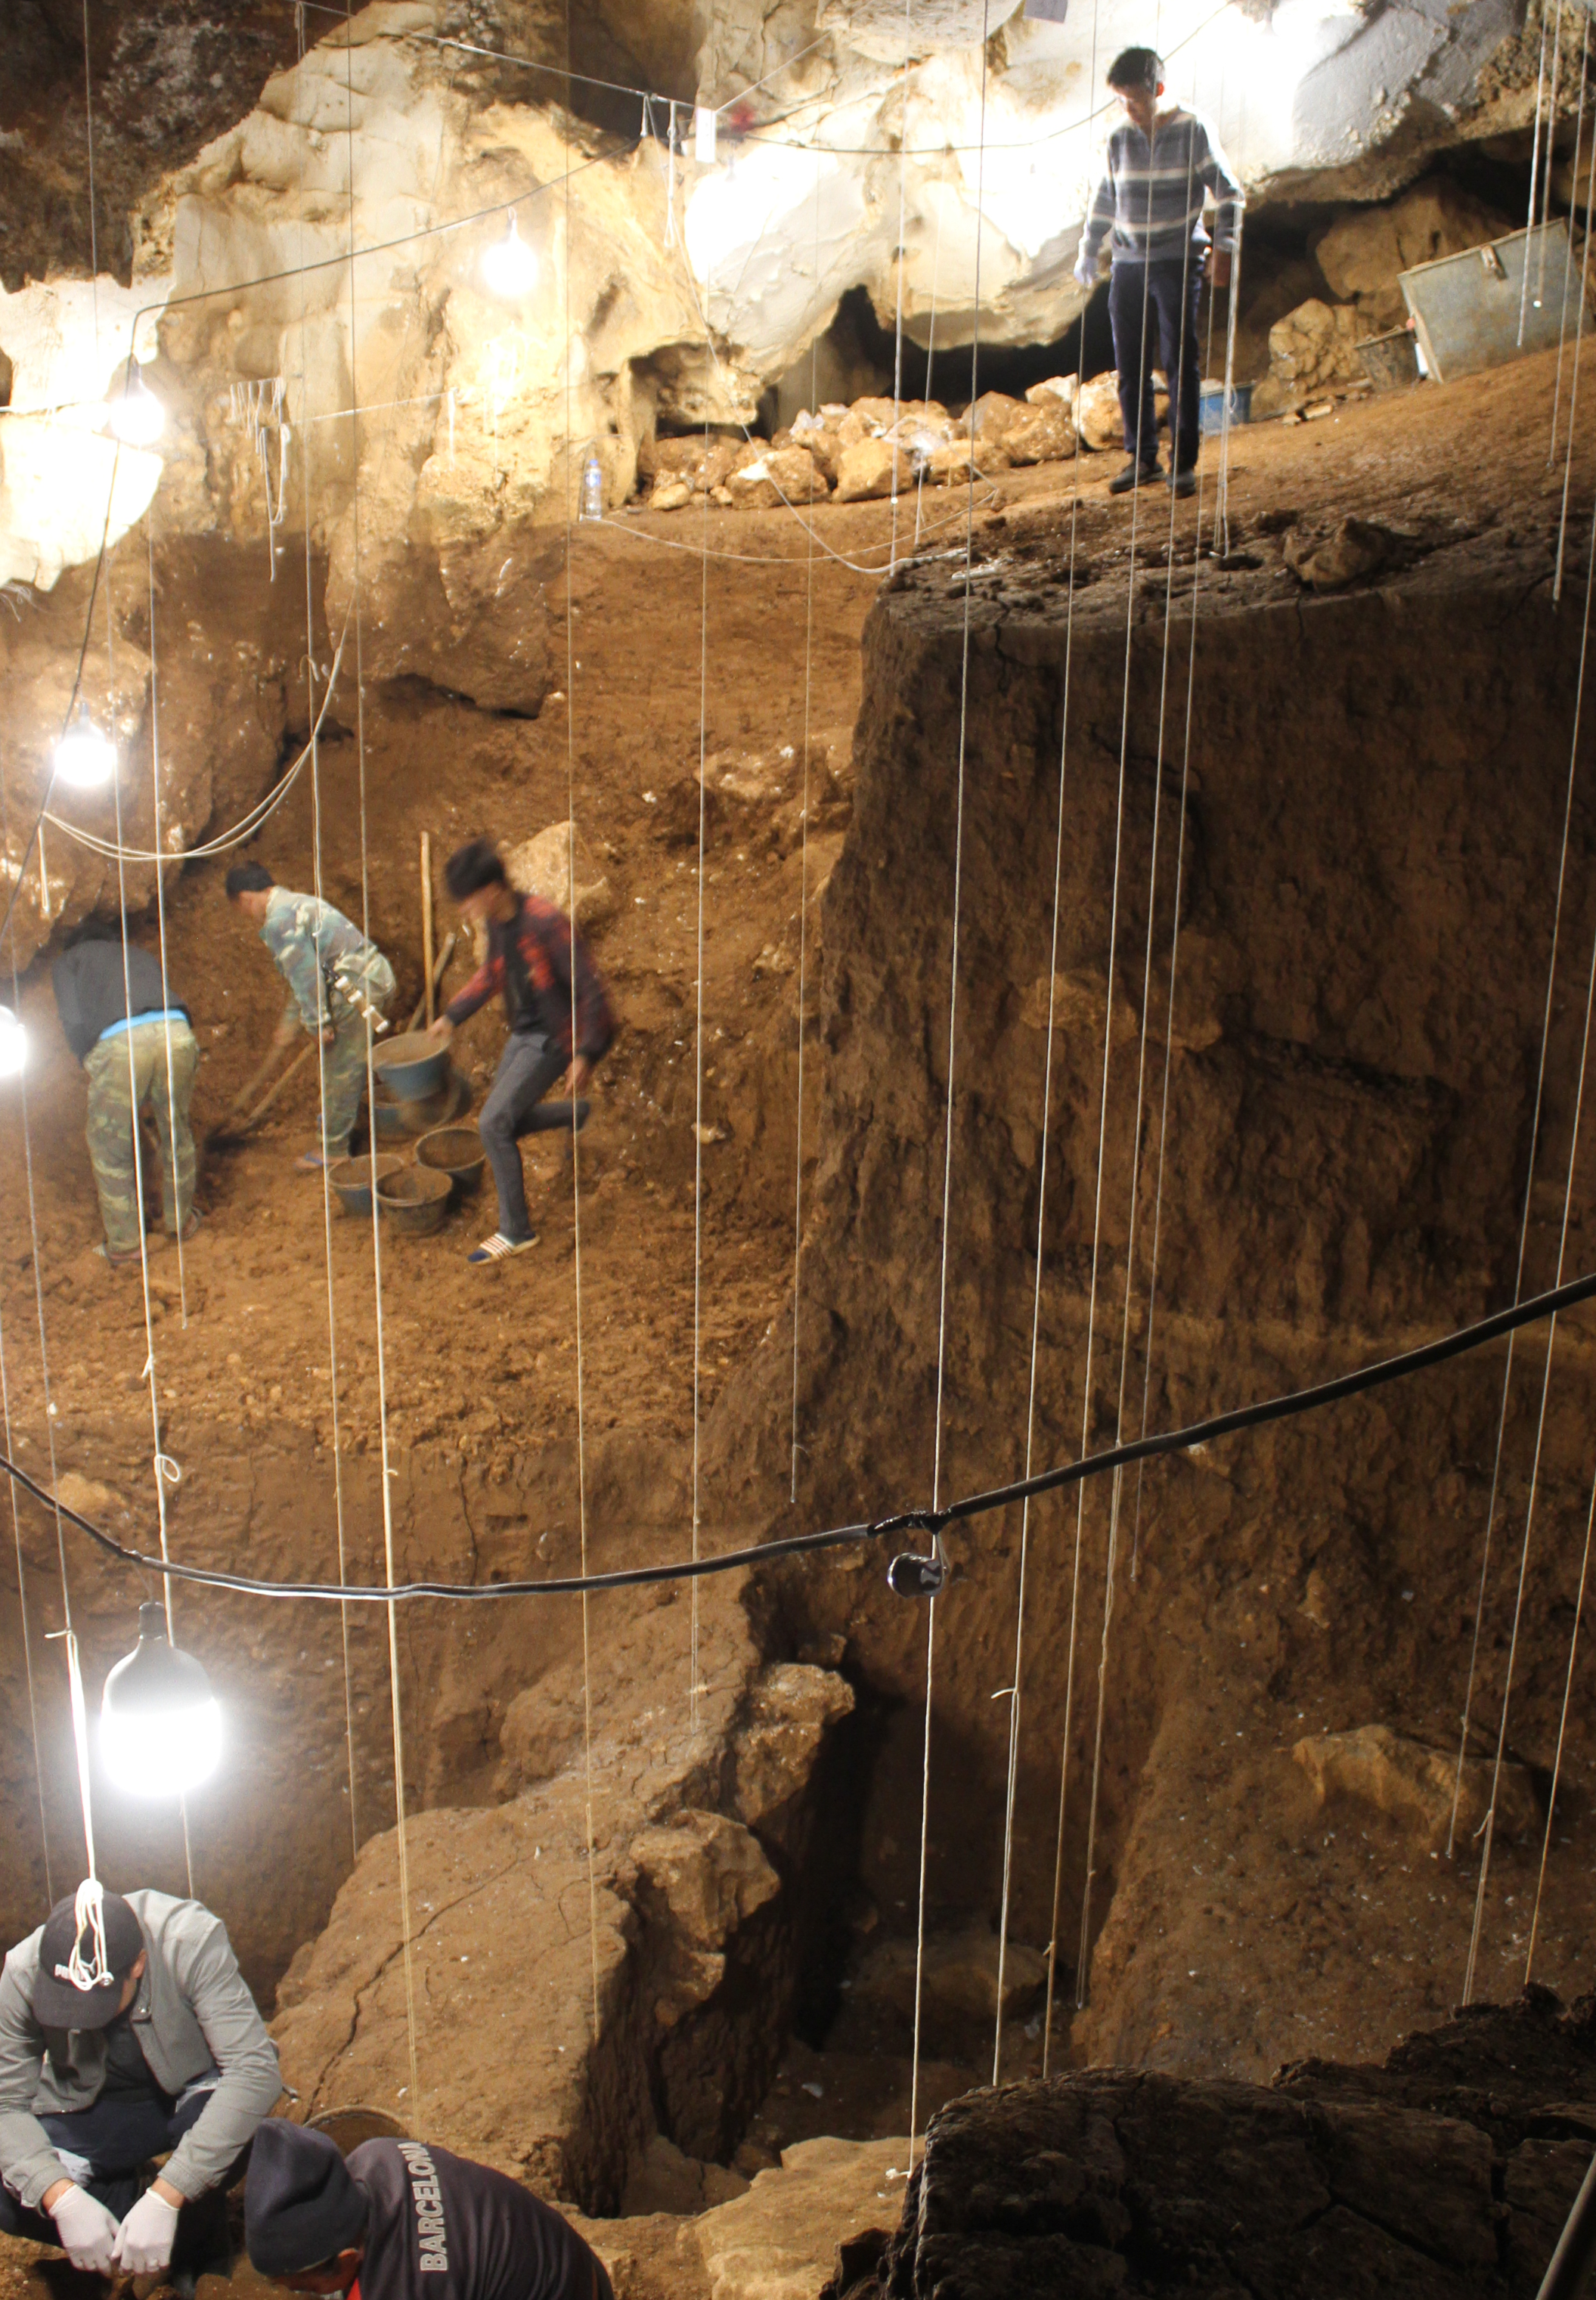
316	947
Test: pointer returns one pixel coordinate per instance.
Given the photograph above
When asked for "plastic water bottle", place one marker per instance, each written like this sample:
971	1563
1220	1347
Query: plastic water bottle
592	490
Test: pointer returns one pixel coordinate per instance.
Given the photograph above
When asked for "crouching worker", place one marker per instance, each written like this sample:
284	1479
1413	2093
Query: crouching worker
559	1020
126	2031
401	2220
139	1053
339	983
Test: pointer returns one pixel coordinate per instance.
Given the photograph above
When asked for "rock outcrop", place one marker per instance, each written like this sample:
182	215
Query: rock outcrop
1448	2173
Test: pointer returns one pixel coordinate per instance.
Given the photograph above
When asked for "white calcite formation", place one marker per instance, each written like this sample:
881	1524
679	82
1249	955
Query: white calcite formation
939	153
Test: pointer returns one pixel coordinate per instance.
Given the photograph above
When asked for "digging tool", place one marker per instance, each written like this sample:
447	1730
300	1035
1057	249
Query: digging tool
233	1127
436	976
427	974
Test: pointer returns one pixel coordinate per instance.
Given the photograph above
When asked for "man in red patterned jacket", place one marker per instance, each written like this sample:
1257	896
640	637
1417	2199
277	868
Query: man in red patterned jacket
559	1020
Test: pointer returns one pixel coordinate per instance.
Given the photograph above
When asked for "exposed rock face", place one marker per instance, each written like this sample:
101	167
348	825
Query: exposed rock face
777	2242
1310	350
1336	2181
1361	255
1415	1785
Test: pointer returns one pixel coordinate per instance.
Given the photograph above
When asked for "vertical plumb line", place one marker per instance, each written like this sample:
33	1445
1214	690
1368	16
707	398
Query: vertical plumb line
947	1171
808	660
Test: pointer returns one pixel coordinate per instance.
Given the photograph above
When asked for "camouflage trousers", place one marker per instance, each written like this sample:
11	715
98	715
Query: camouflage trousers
127	1073
344	1062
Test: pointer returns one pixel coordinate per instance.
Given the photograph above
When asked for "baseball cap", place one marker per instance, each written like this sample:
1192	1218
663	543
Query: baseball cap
58	2002
302	2205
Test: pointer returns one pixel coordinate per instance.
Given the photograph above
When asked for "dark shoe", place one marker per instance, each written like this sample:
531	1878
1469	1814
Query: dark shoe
1183	483
1134	475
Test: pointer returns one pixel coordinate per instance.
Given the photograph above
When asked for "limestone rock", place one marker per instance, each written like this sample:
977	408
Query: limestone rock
959	1978
990	416
542	865
670	494
778	2241
871	468
950	466
792	1711
1312	349
703	467
1097	417
1040	435
1357	548
1413	1784
1060	387
707	1871
665	2180
780	475
1361	253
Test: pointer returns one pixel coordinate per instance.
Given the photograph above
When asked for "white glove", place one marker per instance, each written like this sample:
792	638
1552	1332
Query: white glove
143	2241
89	2233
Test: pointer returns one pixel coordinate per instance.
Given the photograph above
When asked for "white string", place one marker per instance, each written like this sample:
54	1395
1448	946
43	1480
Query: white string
1489	1825
80	1745
1556	1762
16	1527
898	330
88	1916
947	1174
171	1091
401	1834
1012	1785
703	676
1529	222
1175	384
576	1151
1524	1219
1579	330
808	637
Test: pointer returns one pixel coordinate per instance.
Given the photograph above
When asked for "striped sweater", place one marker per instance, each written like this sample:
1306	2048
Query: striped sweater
1149	206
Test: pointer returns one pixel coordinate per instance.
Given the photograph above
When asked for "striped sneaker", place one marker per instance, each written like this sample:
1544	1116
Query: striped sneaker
498	1247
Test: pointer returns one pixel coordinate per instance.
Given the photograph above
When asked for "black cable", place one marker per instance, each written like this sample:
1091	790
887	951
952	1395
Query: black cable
923	1521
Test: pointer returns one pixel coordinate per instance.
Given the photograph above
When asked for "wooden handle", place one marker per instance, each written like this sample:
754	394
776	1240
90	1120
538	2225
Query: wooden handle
427	923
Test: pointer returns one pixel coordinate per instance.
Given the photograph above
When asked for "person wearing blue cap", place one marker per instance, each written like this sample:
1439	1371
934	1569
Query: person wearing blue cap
405	2220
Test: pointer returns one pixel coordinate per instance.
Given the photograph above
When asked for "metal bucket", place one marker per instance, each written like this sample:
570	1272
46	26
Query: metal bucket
1390	362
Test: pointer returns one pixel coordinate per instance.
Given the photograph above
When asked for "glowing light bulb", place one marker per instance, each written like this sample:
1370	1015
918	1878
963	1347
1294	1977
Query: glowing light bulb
14	1044
84	757
136	416
510	266
160	1724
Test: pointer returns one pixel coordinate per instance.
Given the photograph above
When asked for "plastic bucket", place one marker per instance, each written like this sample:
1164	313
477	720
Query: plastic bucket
351	1178
456	1151
1211	406
1390	362
415	1200
413	1067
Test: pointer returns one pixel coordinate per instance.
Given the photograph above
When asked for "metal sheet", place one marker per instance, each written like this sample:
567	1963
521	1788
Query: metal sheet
1467	309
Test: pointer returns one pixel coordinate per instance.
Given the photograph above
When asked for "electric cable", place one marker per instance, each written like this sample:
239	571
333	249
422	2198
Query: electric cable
1458	1343
947	1178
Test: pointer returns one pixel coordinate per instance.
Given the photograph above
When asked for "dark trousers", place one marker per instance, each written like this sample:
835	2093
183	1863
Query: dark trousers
105	2148
528	1068
1165	295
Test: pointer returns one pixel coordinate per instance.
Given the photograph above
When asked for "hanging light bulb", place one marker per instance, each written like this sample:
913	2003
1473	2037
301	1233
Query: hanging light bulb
84	757
160	1725
510	266
136	416
14	1044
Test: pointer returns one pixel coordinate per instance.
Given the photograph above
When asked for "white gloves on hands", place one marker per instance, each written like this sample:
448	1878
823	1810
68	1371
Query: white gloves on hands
89	2233
143	2241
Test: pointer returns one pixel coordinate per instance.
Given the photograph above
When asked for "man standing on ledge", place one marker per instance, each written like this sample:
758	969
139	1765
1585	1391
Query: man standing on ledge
402	2220
126	2029
1149	206
539	963
339	985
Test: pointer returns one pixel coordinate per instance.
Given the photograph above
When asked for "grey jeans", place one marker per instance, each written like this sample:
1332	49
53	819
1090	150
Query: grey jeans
528	1068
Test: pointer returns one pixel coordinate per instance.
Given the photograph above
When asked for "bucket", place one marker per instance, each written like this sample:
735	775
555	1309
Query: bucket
397	1122
351	1178
413	1067
456	1151
1390	362
1211	406
415	1200
349	2127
